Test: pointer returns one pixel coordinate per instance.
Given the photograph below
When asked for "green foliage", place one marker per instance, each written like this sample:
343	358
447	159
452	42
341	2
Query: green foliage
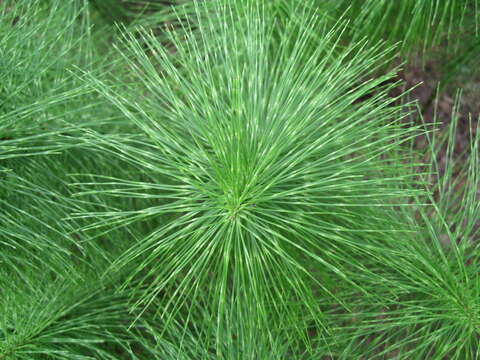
433	283
231	180
411	23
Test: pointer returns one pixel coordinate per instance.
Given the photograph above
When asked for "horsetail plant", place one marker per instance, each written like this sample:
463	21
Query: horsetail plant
264	165
229	180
